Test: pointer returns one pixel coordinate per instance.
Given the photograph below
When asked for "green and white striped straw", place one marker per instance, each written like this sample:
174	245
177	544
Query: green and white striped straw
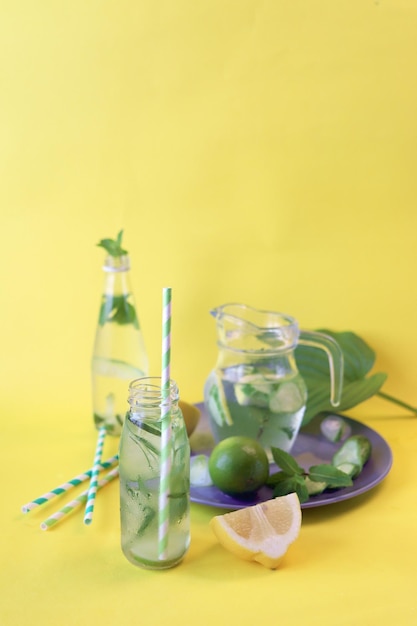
91	497
71	506
165	426
67	486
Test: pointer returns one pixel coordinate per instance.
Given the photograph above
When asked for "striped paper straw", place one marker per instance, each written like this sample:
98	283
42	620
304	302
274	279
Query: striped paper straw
91	498
70	484
68	508
165	425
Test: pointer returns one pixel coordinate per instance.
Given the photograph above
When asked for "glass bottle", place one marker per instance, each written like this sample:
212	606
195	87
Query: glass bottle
119	354
140	478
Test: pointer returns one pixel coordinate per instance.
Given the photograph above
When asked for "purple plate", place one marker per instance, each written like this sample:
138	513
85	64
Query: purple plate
309	449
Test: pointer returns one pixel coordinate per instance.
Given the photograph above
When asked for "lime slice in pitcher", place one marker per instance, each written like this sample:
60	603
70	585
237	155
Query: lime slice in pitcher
253	390
217	404
287	399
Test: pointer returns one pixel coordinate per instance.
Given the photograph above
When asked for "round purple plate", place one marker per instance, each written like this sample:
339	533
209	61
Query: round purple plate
309	449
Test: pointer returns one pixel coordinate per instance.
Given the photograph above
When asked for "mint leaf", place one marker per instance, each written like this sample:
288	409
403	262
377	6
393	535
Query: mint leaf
113	247
292	484
301	489
275	478
293	478
286	462
330	475
117	309
284	487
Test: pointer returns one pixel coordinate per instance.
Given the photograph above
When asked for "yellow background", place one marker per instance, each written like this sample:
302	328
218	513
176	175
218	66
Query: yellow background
254	151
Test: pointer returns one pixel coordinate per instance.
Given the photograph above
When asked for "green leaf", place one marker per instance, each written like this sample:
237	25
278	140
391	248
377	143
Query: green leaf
286	462
330	475
353	393
359	359
301	489
113	247
275	478
117	309
284	487
292	484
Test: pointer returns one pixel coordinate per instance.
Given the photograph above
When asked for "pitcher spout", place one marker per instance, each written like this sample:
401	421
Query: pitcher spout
242	327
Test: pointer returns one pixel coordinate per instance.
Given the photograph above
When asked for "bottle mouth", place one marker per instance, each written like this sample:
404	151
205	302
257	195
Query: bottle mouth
148	392
116	263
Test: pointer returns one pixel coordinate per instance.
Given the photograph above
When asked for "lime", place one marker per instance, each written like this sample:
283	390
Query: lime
238	465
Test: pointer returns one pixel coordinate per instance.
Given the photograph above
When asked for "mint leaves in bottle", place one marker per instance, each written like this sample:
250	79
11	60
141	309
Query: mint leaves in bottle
119	354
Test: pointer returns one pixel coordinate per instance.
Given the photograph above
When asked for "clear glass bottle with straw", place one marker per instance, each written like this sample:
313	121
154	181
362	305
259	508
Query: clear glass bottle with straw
119	354
141	459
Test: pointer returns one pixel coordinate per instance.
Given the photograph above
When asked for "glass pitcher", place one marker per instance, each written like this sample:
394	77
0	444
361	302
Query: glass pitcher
255	389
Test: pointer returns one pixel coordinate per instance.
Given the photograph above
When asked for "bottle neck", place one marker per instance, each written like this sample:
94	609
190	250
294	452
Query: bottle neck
117	276
114	264
147	399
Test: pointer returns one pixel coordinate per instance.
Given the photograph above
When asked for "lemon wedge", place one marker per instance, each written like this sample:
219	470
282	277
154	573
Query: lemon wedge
191	416
262	532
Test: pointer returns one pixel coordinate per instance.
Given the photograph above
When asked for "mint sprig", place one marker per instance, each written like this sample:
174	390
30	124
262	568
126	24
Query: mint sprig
358	383
113	247
118	310
293	478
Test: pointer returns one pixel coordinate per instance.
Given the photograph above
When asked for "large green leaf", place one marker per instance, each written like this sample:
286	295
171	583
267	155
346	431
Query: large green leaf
353	393
359	359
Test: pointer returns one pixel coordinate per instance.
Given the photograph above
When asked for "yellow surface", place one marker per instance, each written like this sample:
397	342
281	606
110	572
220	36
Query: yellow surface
259	152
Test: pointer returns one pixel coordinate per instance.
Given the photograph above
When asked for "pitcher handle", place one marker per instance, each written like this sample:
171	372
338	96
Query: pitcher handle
335	357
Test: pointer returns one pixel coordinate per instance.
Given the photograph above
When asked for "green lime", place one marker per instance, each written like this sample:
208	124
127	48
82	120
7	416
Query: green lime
238	465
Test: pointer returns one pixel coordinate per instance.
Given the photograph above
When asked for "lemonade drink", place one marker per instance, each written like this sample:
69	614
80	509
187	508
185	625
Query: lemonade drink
256	389
140	475
110	384
119	354
255	404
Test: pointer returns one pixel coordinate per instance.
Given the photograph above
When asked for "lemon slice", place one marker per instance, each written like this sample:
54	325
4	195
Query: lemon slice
191	416
262	532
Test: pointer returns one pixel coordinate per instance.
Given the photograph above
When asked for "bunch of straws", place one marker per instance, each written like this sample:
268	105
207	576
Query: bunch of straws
79	500
88	496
